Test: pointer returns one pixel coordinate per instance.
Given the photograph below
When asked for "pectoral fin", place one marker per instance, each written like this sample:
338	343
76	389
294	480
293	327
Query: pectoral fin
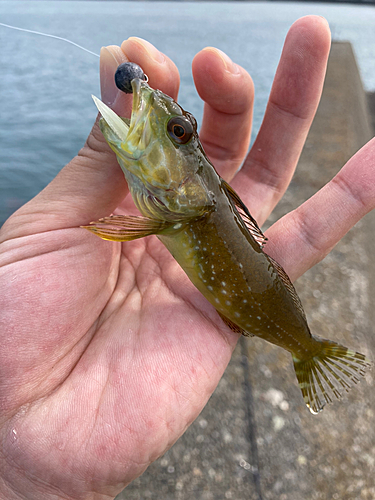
125	227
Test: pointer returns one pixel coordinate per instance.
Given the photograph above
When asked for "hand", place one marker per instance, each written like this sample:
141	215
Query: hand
107	351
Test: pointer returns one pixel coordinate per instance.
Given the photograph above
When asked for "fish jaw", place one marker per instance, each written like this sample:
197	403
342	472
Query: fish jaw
139	134
128	139
118	128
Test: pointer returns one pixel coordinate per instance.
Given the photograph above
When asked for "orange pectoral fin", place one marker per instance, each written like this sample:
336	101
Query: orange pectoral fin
125	227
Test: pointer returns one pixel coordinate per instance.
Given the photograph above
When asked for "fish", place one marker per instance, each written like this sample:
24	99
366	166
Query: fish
210	232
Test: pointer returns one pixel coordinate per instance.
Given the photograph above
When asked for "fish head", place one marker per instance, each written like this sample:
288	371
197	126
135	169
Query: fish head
160	154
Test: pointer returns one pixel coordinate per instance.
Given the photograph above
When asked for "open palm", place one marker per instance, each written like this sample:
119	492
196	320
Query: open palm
107	351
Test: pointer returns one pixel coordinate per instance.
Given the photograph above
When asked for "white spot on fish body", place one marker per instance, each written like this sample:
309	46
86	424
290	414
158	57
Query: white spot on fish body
237	314
204	249
223	283
223	291
177	226
217	300
244	300
210	288
228	303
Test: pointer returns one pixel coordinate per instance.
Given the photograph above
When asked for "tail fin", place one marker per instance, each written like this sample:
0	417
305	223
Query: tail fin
329	373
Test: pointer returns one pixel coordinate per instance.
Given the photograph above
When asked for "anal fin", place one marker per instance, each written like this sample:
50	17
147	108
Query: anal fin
125	227
233	326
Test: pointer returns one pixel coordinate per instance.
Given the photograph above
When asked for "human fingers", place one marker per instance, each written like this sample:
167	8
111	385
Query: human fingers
161	71
228	92
305	236
92	184
292	104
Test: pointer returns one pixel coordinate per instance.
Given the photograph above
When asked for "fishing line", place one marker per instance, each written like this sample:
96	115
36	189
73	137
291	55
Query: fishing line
50	36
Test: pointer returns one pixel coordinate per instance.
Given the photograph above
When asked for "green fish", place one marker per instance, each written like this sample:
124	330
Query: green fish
211	234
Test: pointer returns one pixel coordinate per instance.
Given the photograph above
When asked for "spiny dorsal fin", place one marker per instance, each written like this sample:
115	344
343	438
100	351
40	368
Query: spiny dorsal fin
245	215
289	285
126	227
233	326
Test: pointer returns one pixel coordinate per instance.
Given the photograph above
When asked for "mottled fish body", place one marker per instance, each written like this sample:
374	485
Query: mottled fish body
227	265
211	234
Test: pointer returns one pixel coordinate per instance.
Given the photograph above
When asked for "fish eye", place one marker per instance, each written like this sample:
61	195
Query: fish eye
180	129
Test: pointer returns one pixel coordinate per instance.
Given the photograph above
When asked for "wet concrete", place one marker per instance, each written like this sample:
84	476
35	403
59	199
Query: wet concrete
255	440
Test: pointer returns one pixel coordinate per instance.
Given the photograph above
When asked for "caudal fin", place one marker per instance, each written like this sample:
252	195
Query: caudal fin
329	374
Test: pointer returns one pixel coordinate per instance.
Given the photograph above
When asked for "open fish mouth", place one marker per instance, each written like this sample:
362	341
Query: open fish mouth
129	139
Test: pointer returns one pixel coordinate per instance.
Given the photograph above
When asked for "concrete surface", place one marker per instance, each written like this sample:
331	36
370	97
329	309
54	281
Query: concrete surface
255	440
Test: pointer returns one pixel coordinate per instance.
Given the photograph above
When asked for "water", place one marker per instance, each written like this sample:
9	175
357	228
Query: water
45	84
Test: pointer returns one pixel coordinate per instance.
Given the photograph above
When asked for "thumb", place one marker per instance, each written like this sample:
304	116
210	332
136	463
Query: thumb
88	187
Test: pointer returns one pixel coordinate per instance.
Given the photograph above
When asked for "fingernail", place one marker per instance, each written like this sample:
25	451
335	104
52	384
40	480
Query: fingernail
228	63
110	58
152	51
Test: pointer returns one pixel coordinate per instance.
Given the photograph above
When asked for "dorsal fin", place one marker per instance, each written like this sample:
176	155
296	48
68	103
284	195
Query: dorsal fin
289	285
245	215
